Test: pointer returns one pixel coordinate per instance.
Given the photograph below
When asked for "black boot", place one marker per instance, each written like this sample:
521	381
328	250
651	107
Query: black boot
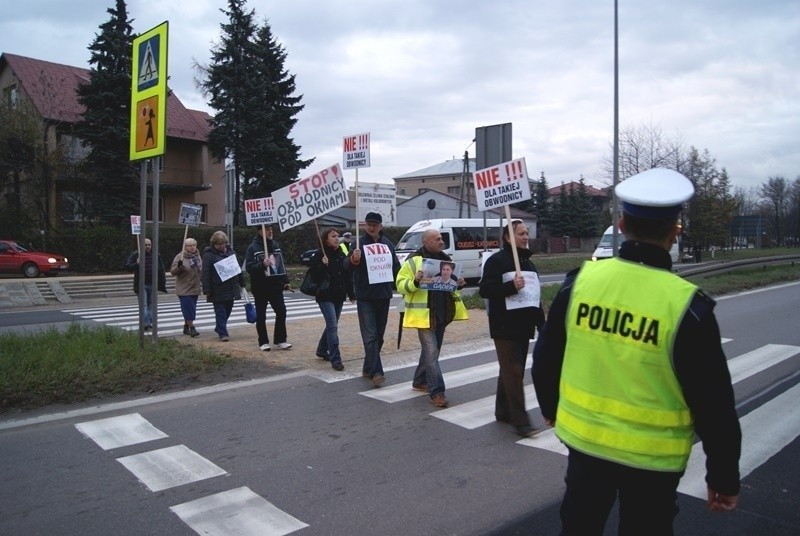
186	329
193	332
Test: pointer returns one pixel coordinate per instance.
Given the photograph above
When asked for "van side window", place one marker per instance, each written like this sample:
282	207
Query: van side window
472	238
446	238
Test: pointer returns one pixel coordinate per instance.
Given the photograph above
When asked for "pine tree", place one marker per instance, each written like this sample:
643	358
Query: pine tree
542	205
275	157
105	126
255	110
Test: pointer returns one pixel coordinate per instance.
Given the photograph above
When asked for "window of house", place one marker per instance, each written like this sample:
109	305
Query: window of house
203	213
454	190
402	191
423	190
11	96
159	162
73	206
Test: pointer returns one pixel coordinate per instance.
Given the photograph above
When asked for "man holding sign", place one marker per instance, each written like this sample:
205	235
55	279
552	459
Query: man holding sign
374	266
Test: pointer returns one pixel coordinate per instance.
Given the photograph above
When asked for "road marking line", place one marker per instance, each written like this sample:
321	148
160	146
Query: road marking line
238	511
170	467
120	431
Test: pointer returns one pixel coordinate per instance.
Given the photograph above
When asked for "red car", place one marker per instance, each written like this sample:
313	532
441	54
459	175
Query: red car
17	258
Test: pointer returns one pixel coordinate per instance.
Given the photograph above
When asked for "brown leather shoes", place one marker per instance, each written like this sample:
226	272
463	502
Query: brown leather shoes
439	401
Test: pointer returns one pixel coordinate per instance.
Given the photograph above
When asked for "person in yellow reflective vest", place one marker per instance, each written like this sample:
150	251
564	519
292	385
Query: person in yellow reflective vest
429	312
629	366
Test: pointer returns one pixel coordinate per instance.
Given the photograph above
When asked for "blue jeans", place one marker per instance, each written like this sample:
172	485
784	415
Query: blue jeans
222	311
188	307
428	370
329	342
148	302
372	318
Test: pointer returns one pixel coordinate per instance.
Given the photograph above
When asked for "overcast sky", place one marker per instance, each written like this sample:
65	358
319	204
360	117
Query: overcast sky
421	75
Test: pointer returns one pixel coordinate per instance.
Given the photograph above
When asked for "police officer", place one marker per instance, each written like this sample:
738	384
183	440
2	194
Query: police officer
629	366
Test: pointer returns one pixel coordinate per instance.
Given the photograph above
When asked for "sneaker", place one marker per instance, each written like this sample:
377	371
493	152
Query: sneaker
193	332
422	388
526	430
337	366
439	401
283	345
377	380
264	347
224	338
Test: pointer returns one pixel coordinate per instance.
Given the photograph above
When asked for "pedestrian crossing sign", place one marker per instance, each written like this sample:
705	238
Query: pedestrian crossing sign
149	94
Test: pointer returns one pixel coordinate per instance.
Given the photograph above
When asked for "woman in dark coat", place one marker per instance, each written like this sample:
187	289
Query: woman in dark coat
511	328
220	293
326	265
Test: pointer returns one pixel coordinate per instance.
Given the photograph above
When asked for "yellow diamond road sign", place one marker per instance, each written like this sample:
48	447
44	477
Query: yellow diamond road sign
149	94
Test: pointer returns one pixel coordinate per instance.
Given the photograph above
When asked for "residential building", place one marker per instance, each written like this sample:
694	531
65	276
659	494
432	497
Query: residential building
187	171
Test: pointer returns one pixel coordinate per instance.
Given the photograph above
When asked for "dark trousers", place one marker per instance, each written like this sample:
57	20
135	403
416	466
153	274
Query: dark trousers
372	318
509	403
272	295
647	499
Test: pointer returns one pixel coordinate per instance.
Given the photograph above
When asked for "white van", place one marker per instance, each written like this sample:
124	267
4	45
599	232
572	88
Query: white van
605	246
463	241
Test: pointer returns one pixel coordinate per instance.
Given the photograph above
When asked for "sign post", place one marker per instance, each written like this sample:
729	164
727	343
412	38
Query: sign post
148	134
502	185
355	154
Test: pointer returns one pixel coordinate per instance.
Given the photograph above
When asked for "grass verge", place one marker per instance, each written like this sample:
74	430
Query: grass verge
88	362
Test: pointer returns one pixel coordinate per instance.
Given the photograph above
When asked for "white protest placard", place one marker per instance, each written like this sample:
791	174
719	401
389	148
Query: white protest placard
355	151
227	268
190	214
440	275
378	197
259	211
528	296
310	198
136	225
379	263
503	184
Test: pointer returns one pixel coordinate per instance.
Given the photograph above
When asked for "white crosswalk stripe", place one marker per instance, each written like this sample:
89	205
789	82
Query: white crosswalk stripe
170	319
778	420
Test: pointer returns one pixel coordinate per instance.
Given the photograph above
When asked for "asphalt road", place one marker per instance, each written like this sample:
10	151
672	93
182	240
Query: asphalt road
296	454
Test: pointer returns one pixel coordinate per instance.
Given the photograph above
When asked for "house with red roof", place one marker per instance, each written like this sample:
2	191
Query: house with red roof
188	173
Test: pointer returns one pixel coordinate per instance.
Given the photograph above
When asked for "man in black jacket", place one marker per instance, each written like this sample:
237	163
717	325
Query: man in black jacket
268	280
132	265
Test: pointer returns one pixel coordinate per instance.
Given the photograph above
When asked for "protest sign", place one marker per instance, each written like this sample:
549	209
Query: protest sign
503	184
380	198
227	268
310	198
439	275
190	214
259	211
136	225
379	263
528	296
355	150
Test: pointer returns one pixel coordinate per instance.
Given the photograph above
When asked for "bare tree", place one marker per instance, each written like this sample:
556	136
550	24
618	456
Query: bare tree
775	192
644	147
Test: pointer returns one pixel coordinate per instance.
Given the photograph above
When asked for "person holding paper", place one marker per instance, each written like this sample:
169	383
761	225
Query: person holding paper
220	287
372	299
511	328
268	280
429	313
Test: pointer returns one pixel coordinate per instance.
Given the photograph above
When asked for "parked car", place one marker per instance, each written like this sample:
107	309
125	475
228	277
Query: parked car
18	258
305	258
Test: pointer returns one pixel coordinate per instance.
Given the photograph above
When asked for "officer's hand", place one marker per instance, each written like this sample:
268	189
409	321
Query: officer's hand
356	256
721	503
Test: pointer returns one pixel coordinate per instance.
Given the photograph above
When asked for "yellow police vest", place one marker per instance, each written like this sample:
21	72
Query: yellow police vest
415	300
619	397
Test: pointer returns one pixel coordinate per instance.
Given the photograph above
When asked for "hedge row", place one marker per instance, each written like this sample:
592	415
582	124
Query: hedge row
105	249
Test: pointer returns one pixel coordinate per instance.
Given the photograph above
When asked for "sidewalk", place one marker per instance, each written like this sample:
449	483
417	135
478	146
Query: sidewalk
460	336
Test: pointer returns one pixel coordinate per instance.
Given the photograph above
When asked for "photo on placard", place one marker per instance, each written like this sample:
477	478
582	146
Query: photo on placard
440	275
275	260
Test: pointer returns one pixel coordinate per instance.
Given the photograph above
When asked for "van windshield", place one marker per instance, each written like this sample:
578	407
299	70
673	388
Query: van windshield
413	241
607	240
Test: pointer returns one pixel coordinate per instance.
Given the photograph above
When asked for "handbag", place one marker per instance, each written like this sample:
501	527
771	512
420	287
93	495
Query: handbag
249	308
310	287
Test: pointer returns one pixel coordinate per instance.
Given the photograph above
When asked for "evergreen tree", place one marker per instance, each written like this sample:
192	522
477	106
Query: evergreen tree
542	208
105	126
585	214
255	107
275	156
